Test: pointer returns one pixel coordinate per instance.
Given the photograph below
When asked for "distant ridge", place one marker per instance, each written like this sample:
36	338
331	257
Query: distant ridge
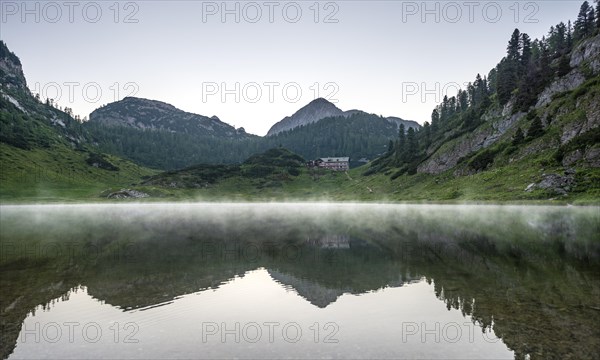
156	115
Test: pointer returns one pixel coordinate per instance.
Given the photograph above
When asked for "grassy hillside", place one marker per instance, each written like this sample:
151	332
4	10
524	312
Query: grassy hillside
41	176
45	153
274	177
322	185
59	174
45	156
275	174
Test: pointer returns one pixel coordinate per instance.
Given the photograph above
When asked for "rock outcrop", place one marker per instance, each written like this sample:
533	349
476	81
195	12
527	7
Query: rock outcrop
127	194
11	71
567	83
587	55
558	184
587	52
497	123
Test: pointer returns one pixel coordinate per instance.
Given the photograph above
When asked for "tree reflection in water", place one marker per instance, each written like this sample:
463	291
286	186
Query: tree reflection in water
529	273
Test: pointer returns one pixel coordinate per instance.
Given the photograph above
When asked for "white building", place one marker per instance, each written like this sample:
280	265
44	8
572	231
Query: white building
335	163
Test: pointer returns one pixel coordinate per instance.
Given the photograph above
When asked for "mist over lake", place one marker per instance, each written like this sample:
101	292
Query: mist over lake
299	280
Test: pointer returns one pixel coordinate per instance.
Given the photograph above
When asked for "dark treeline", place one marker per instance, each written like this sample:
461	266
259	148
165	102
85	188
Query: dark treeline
528	67
166	150
358	136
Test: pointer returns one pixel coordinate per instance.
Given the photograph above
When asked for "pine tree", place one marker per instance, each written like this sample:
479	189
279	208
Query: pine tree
506	80
582	24
569	36
426	135
528	89
509	68
518	137
551	39
535	129
535	50
445	112
479	90
545	71
452	106
401	131
401	145
560	39
493	81
463	100
435	120
514	46
526	52
485	92
412	145
563	66
390	148
470	94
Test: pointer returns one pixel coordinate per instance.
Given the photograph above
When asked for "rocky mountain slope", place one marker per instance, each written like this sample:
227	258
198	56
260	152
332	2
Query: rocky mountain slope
44	150
156	115
320	109
529	129
563	120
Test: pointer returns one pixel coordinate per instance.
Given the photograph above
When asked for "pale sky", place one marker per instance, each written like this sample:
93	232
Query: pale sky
384	57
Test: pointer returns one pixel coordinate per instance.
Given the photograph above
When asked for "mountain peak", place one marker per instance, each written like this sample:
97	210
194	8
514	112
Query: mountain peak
320	101
314	111
321	108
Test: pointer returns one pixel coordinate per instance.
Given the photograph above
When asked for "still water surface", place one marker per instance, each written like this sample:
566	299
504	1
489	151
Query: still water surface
299	281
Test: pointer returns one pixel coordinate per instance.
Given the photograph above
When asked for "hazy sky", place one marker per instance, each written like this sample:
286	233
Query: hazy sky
253	63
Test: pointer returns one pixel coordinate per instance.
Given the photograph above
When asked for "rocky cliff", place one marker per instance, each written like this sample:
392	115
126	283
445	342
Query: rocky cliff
11	72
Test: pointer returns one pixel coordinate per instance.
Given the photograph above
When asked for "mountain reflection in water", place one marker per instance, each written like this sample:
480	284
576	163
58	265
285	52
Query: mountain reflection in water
528	275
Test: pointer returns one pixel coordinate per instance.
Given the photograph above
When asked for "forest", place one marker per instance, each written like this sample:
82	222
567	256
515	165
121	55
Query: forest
358	136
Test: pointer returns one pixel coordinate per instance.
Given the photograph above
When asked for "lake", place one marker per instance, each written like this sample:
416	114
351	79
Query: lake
299	280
